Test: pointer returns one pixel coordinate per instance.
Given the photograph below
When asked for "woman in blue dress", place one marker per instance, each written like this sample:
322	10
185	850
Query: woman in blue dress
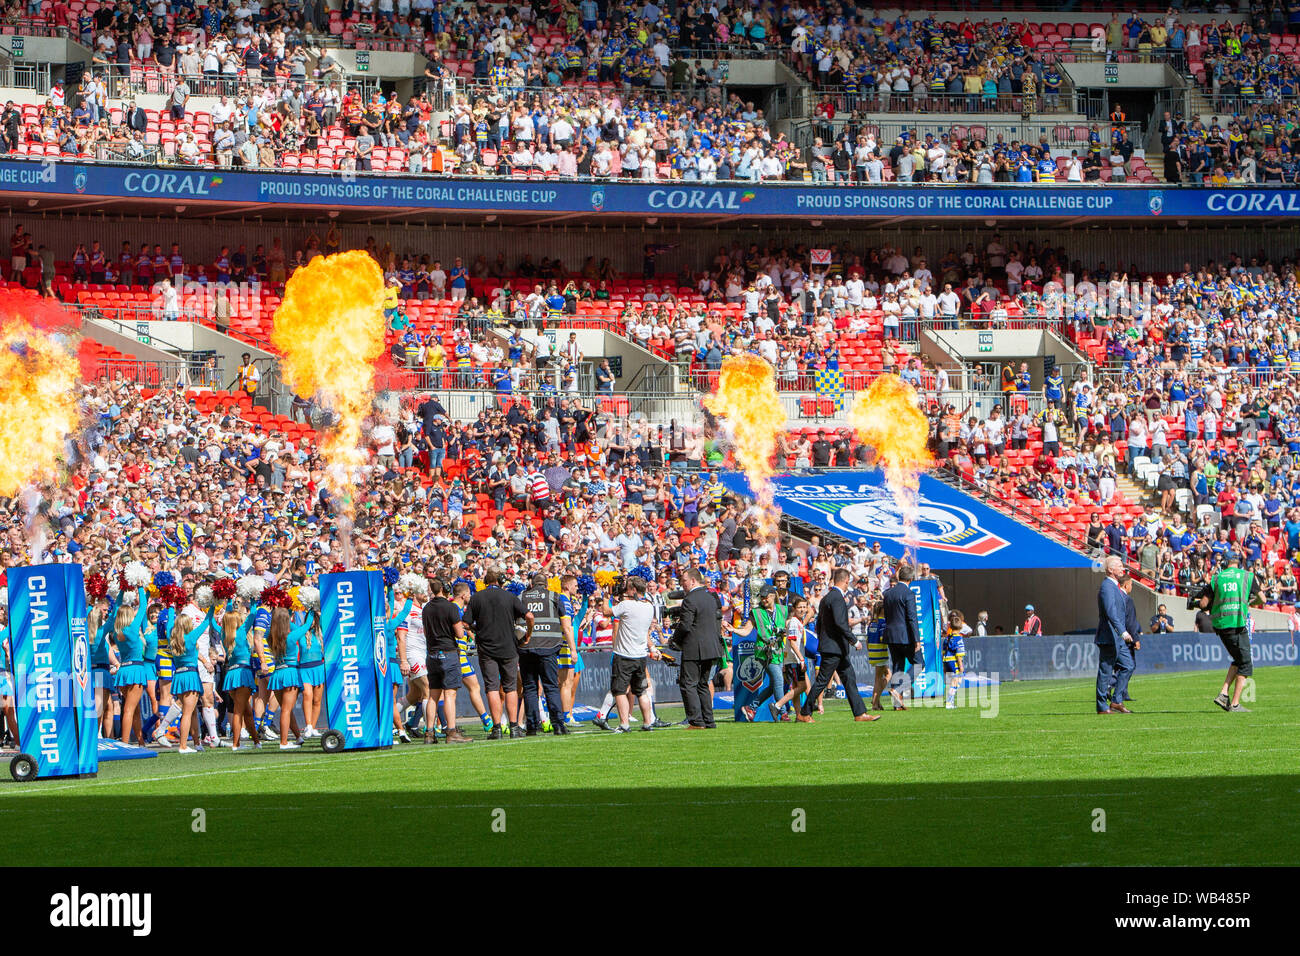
240	681
133	674
285	647
395	634
311	674
103	660
7	677
183	649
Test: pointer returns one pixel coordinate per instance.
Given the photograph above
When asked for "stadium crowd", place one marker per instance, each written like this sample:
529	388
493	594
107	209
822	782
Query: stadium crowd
587	90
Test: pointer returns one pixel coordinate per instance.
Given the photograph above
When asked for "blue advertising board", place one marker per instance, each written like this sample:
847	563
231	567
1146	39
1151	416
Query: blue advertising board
445	193
358	687
54	692
955	531
1020	657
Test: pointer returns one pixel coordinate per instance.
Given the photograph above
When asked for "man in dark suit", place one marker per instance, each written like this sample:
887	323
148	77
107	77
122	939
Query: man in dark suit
1114	642
1132	626
835	640
699	635
902	632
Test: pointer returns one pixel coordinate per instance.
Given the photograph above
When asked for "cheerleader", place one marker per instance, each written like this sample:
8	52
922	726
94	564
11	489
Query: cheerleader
103	660
183	648
285	647
240	682
7	678
311	668
133	675
153	637
395	637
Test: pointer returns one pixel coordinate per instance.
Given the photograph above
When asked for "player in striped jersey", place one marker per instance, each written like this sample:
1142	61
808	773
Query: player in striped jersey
954	656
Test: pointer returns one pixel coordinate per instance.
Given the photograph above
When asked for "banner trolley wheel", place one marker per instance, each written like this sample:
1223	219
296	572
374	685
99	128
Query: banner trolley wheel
331	742
23	768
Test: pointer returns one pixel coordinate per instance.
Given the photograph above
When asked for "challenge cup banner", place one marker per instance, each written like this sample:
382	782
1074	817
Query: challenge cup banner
52	679
930	625
358	685
955	531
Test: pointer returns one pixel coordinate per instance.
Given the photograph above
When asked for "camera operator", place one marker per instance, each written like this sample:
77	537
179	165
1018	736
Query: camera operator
633	617
699	635
537	657
491	614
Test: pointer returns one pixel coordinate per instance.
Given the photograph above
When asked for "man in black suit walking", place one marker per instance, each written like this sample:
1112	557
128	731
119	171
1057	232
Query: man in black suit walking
699	635
836	640
902	635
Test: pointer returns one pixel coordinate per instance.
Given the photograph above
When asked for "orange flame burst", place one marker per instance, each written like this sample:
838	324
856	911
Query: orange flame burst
746	397
330	329
38	404
887	417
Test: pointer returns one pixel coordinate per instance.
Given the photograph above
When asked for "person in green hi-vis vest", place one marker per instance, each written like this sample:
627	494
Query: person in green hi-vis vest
769	648
1228	598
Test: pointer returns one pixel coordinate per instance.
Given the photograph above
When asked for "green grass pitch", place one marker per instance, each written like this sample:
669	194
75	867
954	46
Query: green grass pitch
1180	782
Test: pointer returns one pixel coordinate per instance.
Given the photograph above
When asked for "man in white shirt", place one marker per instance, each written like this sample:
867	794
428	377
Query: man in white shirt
949	306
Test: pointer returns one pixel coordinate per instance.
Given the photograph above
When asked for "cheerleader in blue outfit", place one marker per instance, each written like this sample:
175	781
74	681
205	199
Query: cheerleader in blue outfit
184	653
7	678
103	660
240	682
311	674
128	626
286	651
395	635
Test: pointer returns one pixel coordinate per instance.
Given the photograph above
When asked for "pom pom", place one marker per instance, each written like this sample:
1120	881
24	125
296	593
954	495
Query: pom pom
337	569
586	585
137	575
604	577
204	597
391	574
250	587
223	589
129	598
515	587
309	597
416	585
116	585
96	586
164	579
644	572
173	595
275	596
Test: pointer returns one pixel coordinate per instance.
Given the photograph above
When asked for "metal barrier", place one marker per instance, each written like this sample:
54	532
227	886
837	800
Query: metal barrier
26	76
1070	133
887	101
171	373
